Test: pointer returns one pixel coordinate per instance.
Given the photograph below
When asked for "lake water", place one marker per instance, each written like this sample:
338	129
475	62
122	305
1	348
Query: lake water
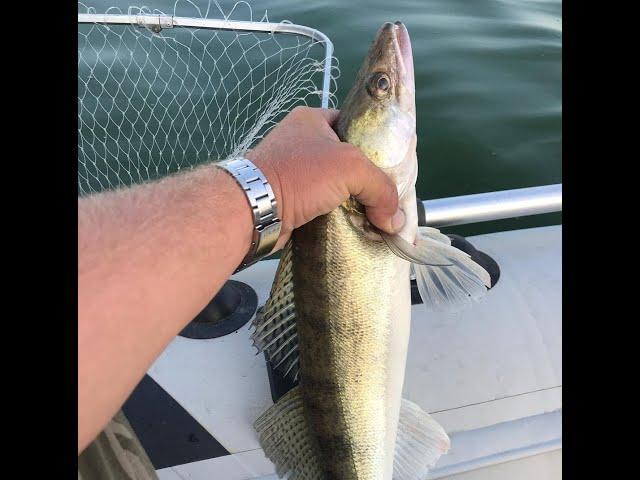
488	85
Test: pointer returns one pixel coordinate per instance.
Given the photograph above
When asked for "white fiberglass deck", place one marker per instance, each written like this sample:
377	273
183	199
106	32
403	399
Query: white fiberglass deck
490	375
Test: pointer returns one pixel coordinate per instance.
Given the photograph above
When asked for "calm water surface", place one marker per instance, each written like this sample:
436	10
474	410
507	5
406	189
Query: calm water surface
488	85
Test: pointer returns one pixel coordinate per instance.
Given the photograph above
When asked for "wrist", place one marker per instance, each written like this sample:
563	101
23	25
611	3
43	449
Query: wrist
259	195
235	198
270	171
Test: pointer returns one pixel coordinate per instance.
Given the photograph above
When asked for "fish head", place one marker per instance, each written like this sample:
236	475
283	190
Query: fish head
379	112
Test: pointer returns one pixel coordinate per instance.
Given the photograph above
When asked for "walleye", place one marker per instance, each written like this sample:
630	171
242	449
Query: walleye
338	315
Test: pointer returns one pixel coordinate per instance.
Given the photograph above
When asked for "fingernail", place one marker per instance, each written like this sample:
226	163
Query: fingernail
397	222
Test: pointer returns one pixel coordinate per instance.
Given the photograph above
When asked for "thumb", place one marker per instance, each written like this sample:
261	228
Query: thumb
376	191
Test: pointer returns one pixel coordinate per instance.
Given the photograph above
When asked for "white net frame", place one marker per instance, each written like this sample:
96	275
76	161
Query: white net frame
158	93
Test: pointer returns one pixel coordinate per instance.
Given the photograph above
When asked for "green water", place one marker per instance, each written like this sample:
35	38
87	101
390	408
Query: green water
488	85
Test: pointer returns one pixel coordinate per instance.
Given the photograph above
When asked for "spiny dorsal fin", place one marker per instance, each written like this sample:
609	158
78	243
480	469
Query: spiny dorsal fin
275	324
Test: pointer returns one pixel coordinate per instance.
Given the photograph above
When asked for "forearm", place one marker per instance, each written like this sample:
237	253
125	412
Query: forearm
150	258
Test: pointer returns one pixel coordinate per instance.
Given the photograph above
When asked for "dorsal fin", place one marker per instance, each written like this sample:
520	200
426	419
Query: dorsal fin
275	331
287	441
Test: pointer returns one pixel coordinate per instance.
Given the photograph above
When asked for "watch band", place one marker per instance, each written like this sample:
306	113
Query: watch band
263	204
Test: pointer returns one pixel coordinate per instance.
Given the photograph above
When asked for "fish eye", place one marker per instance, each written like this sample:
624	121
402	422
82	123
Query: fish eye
383	83
379	85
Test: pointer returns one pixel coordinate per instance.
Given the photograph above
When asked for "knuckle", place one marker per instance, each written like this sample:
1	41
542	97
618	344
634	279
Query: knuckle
299	110
390	195
352	152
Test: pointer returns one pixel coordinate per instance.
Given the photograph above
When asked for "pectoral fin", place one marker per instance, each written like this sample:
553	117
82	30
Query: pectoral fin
447	278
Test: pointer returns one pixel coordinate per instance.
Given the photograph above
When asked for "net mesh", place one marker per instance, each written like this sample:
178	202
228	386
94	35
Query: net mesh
151	103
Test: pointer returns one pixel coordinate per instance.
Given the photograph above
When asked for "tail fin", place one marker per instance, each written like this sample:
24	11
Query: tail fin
447	278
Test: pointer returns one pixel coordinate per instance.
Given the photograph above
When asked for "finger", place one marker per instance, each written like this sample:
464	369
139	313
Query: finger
377	192
329	114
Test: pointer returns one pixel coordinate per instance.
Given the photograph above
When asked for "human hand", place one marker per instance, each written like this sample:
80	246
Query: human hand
312	172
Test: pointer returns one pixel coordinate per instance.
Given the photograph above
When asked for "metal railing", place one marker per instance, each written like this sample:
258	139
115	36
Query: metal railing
483	207
158	22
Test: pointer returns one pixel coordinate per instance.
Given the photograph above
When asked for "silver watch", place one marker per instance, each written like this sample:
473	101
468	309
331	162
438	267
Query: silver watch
263	203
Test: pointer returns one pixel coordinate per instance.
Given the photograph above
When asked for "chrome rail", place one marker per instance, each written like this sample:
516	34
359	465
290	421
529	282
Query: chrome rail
483	207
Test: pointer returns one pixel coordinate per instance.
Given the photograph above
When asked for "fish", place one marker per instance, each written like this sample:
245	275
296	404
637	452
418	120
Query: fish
337	320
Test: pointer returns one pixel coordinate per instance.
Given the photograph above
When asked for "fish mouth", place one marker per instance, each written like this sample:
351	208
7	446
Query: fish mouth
403	45
392	48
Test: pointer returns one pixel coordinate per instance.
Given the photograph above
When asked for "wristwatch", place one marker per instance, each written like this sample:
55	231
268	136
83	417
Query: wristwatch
263	204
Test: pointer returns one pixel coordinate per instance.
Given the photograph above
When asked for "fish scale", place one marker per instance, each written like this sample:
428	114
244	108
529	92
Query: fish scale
347	279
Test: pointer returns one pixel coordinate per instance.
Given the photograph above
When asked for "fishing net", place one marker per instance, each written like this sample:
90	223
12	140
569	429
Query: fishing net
153	101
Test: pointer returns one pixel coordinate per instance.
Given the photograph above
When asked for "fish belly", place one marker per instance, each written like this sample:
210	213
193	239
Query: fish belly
353	309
